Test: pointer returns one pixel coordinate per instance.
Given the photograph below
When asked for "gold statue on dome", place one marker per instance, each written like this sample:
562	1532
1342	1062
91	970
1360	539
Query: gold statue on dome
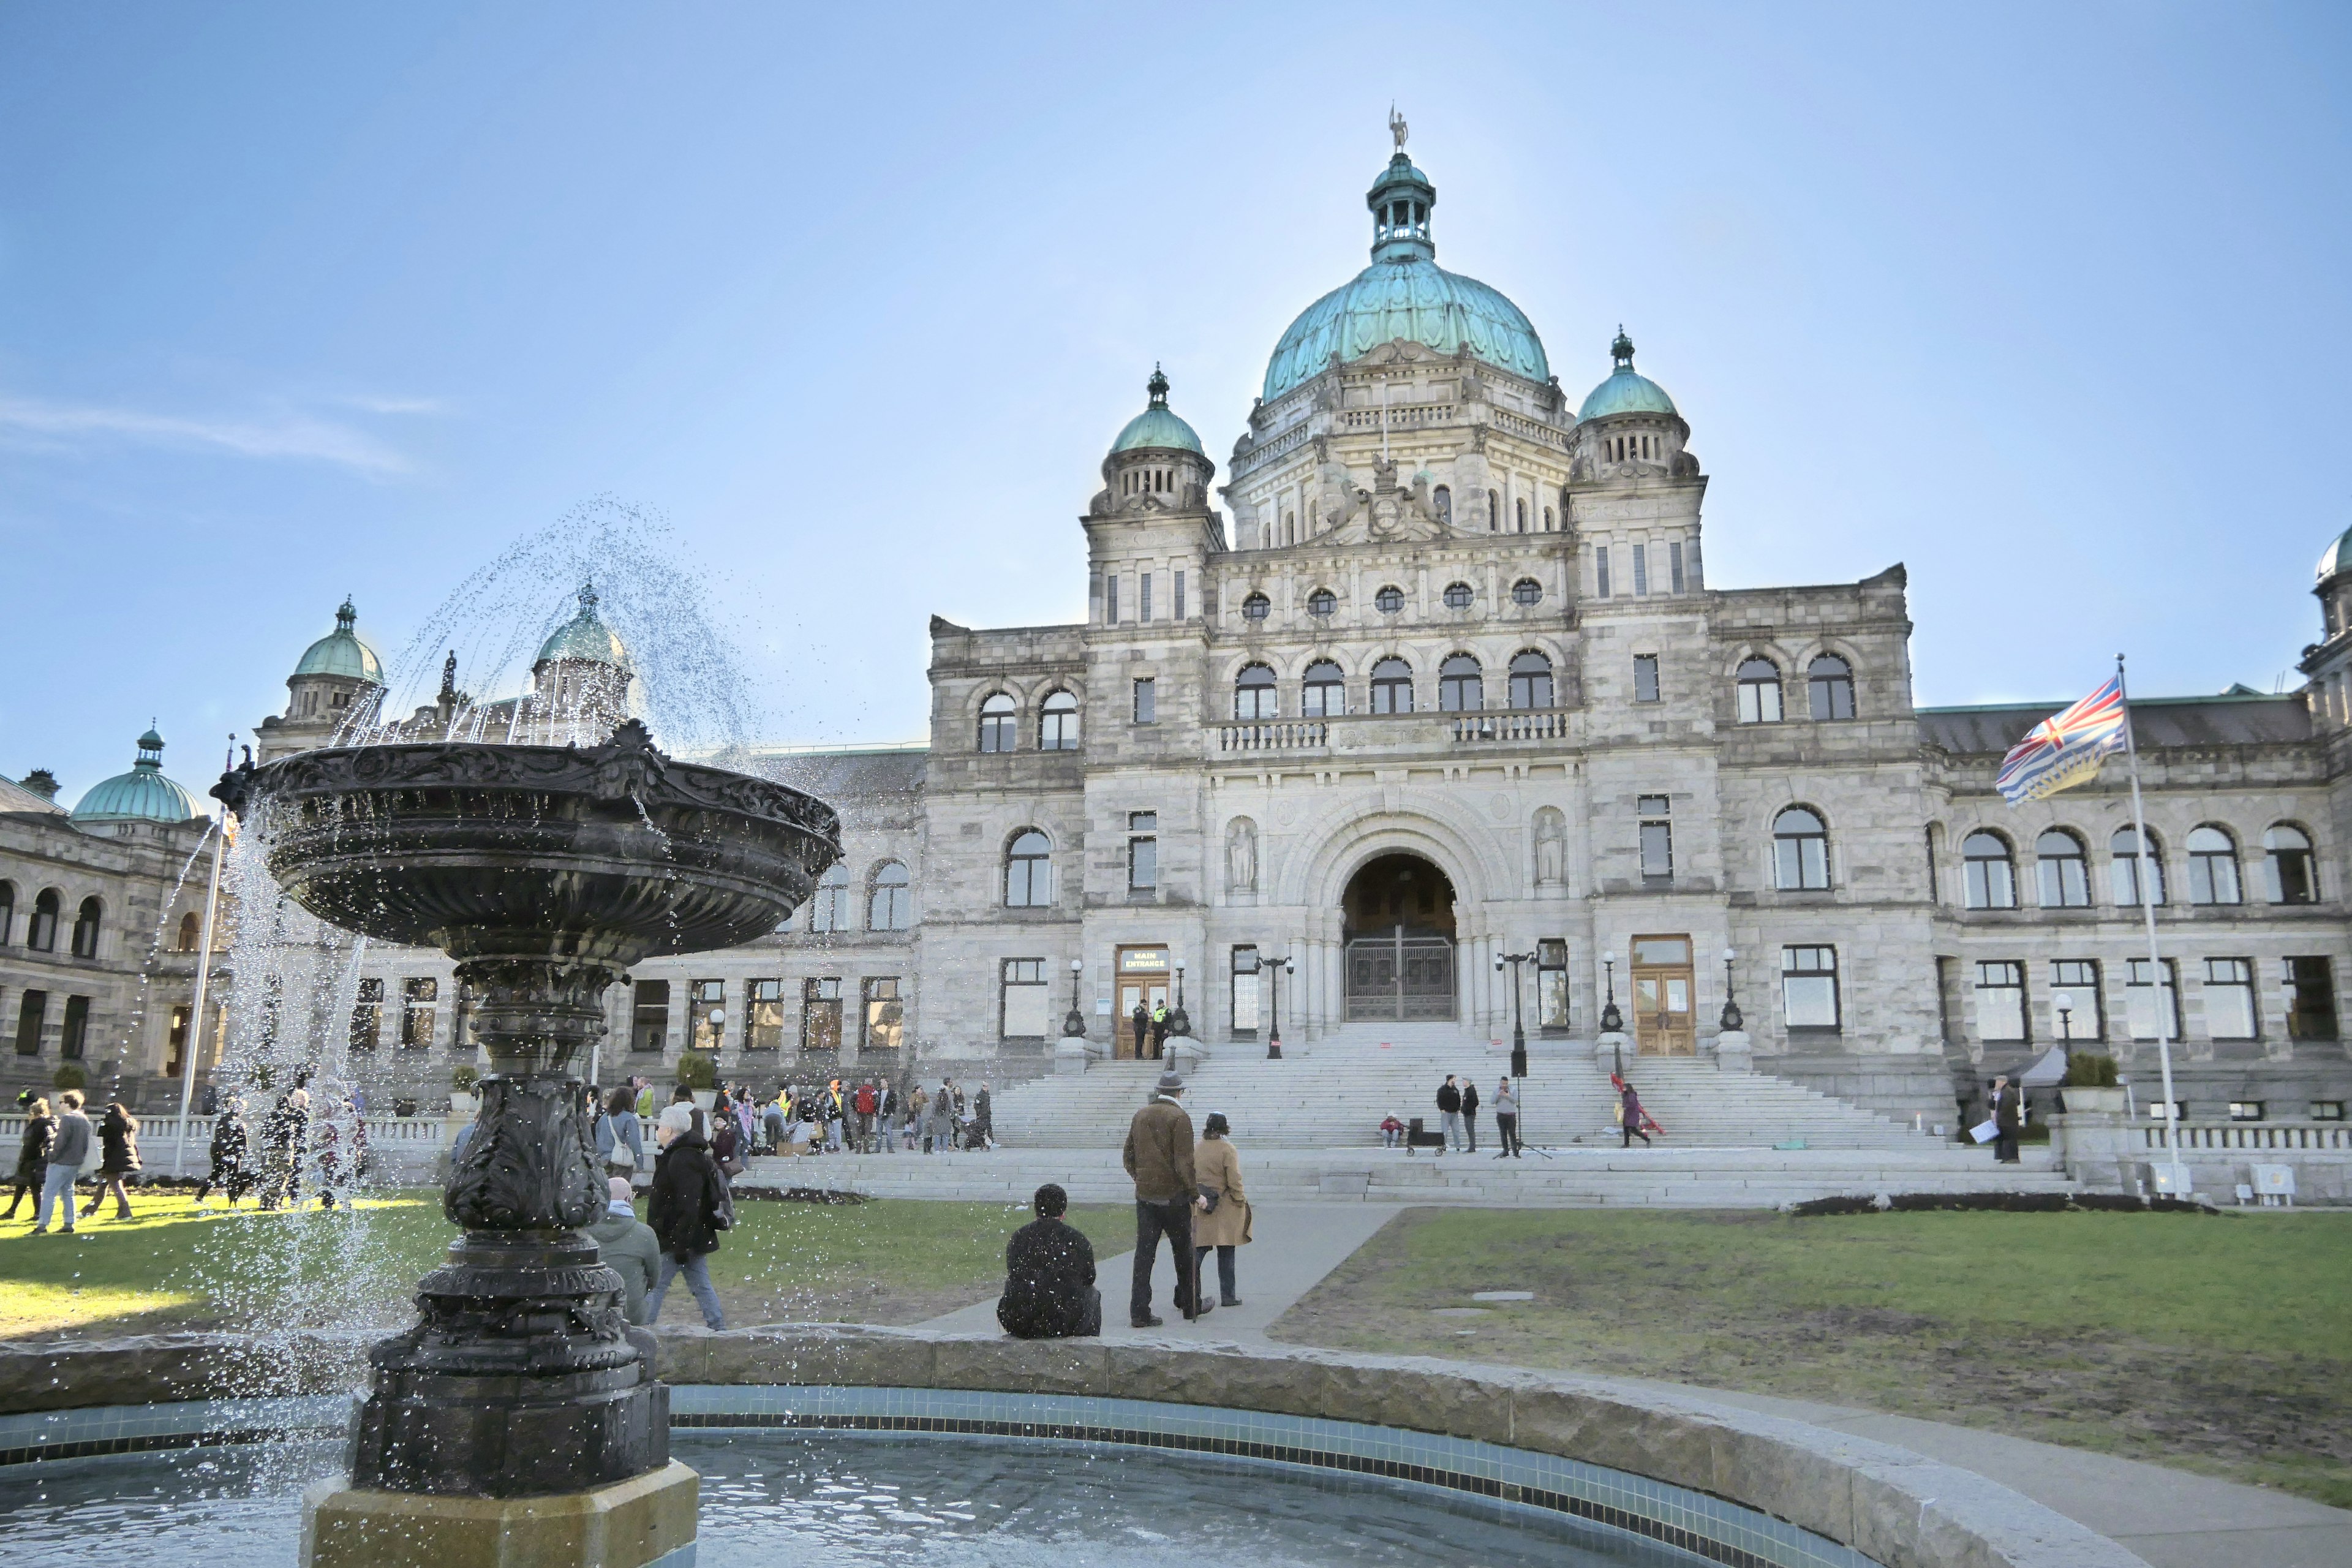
1397	127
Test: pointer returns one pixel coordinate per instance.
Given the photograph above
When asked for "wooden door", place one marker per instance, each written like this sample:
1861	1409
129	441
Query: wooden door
1663	1022
1133	989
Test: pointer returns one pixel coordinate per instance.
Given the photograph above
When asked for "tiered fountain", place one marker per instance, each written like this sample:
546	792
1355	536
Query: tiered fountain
519	1421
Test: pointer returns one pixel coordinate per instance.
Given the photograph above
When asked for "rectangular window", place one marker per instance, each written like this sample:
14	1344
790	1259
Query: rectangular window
1809	987
1110	598
649	1016
1180	595
2001	1001
176	1040
2141	1001
2154	1108
1249	991
820	1015
1147	701
420	997
1143	596
2328	1110
1646	678
1026	1003
1641	570
1601	570
884	1014
1657	839
1142	851
367	1017
1551	983
764	1024
2246	1111
2077	1011
32	1016
74	1035
706	1015
2310	999
1674	564
2230	1012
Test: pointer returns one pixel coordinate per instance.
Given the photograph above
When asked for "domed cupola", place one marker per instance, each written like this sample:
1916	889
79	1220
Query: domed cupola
143	794
1157	459
1629	427
584	639
332	674
581	683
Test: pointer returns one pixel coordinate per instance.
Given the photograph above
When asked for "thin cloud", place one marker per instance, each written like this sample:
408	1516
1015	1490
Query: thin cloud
298	436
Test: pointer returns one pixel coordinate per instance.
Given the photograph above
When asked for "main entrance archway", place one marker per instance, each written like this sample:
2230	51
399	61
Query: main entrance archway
1399	929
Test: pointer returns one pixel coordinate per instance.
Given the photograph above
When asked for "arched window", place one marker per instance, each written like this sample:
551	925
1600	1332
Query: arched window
192	932
1057	724
1523	515
829	910
7	911
1392	687
41	931
1440	501
998	723
1527	592
1459	596
1830	682
1759	692
85	929
1991	873
891	905
1322	602
1461	688
2061	872
2126	864
1389	600
1256	607
1029	871
1323	692
1530	680
2212	866
2288	868
1800	850
1253	694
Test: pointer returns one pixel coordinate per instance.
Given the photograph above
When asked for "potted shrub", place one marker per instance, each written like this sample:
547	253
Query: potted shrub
69	1075
462	1098
698	1071
2090	1087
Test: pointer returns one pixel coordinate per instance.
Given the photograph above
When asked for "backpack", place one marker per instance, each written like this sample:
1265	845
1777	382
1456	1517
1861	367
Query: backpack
865	1099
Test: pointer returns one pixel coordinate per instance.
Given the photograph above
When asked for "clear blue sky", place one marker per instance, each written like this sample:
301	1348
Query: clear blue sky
2048	302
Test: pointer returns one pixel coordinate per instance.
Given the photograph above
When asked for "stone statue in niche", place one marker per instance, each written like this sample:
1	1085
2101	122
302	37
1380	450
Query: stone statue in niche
1241	856
1551	848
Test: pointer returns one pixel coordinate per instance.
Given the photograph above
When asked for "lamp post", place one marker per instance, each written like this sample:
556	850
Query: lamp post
1274	1029
1074	1022
1612	1022
1180	1022
1732	1022
1518	1020
2065	1000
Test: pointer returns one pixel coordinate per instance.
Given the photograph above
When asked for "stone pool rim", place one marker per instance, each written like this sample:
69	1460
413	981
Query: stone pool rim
1886	1504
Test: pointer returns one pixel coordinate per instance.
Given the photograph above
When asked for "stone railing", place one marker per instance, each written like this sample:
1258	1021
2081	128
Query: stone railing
2252	1137
1400	416
1511	724
1430	729
1273	735
2102	1149
1289	441
1887	1504
1518	426
401	1137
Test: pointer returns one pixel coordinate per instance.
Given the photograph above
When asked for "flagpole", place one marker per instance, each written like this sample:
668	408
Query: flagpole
197	1004
2147	889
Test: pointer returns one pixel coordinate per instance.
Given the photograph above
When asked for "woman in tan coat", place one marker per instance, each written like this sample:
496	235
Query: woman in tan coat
1218	1166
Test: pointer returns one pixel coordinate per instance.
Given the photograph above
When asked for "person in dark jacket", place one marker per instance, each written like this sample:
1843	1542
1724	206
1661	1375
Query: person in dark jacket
2008	1106
1049	1276
117	1135
689	1206
67	1150
1630	1118
1141	1019
33	1154
285	1136
230	1146
1159	1156
1449	1107
1470	1111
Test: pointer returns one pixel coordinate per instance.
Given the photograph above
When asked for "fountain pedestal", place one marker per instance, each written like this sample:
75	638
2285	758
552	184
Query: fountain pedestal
645	1521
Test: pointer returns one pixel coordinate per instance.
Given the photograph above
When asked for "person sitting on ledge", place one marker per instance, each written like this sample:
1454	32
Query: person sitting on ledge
1049	1276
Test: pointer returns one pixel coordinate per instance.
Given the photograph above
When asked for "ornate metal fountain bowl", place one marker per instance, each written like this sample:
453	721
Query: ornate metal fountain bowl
544	872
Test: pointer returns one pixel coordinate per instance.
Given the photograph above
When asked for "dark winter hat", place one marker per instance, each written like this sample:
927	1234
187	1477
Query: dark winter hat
1170	1084
1217	1126
1051	1201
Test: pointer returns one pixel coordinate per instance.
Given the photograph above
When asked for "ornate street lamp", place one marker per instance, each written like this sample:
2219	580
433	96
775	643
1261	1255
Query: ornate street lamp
1274	1030
1612	1022
1074	1022
1732	1021
1179	1023
1518	1020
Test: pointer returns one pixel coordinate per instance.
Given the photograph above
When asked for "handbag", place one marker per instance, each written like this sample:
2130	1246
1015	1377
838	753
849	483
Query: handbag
1210	1196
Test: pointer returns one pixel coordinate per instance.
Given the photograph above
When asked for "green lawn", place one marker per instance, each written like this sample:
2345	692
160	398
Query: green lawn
2224	1344
171	1266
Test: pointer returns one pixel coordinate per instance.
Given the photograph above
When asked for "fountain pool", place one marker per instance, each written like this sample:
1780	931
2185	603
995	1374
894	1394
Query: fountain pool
855	1499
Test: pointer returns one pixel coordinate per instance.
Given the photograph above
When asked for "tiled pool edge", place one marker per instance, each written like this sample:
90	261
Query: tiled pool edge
1885	1504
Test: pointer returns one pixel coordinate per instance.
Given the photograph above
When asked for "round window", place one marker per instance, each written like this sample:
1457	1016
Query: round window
1389	599
1458	596
1256	607
1526	591
1322	602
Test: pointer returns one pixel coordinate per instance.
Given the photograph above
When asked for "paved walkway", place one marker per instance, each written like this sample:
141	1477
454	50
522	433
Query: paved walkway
2171	1517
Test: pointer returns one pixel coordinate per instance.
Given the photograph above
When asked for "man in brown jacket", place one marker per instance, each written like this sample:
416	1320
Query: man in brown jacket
1159	1156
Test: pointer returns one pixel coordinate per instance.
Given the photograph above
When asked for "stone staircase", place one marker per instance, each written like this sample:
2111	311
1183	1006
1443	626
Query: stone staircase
1335	1095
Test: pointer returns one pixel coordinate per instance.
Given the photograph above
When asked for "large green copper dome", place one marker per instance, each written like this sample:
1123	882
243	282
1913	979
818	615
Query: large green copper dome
1156	425
340	652
2338	557
143	794
584	637
1625	391
1405	294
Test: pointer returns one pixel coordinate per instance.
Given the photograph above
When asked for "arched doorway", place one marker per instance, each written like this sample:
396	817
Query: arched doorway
1399	929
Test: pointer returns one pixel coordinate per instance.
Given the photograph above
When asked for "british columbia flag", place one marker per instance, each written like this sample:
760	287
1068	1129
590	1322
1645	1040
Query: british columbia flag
2066	749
